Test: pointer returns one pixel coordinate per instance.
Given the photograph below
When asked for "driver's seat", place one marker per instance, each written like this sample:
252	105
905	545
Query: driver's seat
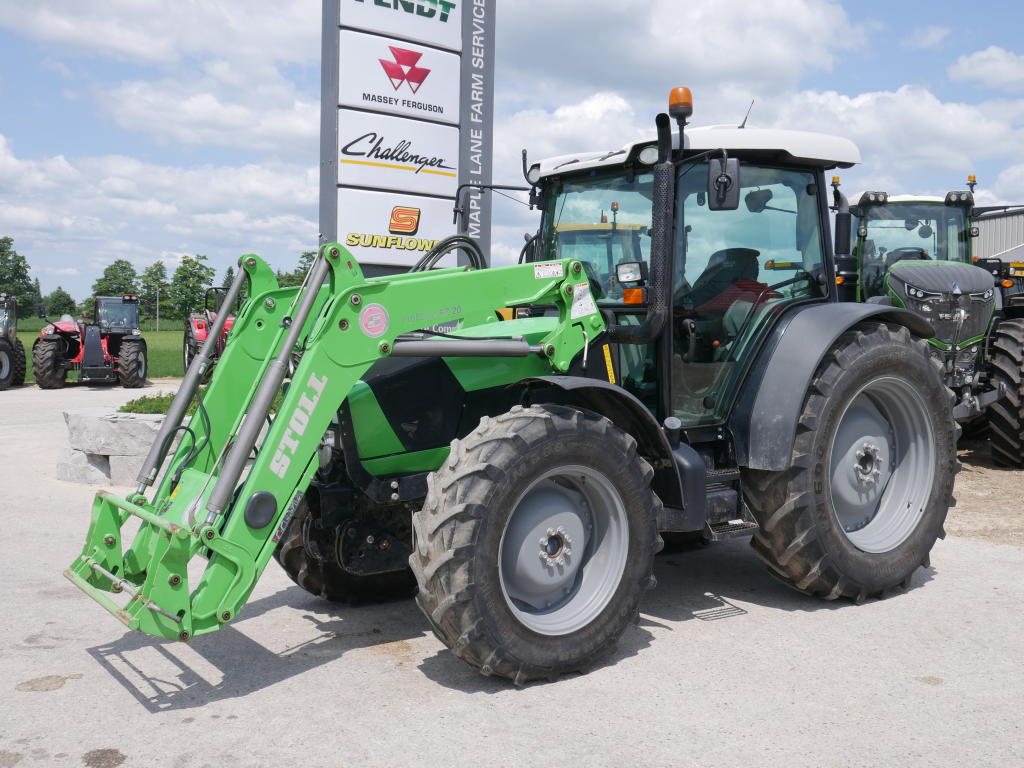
725	268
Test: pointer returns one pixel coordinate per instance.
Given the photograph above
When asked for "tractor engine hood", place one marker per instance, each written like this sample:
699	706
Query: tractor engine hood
957	299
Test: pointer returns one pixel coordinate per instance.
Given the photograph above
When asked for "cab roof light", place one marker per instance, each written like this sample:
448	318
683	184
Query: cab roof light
873	198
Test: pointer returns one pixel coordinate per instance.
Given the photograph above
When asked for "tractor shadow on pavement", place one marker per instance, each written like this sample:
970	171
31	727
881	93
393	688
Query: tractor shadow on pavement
721	582
240	659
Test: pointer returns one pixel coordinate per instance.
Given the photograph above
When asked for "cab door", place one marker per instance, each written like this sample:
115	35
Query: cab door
734	273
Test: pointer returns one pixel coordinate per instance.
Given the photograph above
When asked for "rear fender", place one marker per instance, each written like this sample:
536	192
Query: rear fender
624	410
763	421
199	328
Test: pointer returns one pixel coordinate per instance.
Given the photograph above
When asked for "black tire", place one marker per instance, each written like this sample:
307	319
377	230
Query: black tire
801	537
1006	415
324	578
458	537
132	364
189	347
6	365
19	364
46	364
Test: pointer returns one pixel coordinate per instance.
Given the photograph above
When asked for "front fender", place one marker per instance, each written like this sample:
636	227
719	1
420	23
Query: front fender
763	421
626	412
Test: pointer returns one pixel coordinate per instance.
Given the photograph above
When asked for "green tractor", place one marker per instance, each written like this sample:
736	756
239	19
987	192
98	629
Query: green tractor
915	252
12	351
517	474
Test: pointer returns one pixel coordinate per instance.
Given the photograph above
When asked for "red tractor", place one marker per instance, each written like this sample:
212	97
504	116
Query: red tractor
107	350
198	326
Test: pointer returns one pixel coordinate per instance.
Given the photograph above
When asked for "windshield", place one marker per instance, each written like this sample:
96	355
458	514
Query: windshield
3	316
116	314
602	221
931	230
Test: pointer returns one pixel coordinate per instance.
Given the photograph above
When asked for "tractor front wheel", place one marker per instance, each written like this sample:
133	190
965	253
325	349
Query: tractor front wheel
536	542
307	553
871	475
1006	416
132	364
6	365
46	364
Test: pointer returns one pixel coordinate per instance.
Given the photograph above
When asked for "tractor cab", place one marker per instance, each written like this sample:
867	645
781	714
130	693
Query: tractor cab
890	229
749	238
118	314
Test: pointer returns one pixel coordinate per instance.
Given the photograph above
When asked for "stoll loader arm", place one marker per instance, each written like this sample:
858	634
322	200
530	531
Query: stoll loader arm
233	483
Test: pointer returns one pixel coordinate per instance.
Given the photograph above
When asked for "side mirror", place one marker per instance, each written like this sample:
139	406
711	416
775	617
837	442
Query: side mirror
925	232
975	232
723	184
41	310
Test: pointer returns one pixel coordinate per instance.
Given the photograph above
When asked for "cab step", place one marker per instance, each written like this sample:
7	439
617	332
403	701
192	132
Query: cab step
732	529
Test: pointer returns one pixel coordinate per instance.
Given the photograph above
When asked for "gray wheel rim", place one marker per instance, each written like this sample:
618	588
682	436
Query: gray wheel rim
5	365
882	465
142	366
563	550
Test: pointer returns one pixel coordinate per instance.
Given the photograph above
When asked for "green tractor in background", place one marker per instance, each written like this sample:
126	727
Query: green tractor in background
12	351
915	252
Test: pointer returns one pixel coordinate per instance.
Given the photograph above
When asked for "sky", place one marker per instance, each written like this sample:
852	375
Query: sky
149	129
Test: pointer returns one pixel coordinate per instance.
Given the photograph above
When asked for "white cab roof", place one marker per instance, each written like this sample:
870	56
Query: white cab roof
819	149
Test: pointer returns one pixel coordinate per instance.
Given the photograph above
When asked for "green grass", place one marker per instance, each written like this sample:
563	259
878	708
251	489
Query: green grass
164	352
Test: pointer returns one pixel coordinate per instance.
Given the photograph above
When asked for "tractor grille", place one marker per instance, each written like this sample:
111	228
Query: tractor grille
942	314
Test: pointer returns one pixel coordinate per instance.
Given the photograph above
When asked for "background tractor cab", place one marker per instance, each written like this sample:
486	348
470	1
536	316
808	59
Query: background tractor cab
890	229
108	349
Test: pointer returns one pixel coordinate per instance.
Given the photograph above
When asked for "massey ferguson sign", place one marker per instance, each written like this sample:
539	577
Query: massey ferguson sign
399	79
413	121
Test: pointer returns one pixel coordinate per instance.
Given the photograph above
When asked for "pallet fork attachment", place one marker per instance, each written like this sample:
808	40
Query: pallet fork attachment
229	490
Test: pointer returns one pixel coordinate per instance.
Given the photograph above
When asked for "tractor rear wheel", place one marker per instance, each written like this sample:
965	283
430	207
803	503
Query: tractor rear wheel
46	364
6	365
132	364
536	542
872	470
1006	415
309	561
19	363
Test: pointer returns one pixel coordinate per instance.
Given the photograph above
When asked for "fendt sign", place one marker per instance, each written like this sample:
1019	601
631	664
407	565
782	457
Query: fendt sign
406	117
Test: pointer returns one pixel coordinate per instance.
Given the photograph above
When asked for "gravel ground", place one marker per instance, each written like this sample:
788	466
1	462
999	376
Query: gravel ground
727	667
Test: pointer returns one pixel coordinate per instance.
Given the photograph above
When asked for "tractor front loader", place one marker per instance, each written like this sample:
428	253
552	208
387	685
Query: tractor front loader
685	370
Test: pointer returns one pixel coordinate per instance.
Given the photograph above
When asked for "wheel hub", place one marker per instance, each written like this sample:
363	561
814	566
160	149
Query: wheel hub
563	550
868	463
555	547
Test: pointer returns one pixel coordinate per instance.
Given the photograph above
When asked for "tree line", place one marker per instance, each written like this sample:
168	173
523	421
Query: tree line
159	295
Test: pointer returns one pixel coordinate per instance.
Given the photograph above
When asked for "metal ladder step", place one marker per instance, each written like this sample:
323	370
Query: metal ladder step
732	529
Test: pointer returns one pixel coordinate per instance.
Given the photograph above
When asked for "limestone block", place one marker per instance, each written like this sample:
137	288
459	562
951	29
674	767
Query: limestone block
81	467
124	469
98	431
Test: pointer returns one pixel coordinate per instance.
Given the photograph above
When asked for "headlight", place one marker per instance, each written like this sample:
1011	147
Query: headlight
985	296
917	293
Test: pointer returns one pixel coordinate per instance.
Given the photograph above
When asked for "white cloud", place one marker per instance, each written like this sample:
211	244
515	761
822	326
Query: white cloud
926	37
993	67
164	31
96	209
